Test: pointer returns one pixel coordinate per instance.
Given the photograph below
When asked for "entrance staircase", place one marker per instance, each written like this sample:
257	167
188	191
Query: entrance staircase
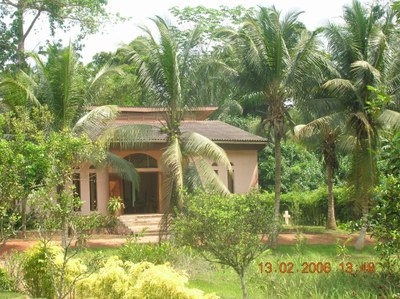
148	224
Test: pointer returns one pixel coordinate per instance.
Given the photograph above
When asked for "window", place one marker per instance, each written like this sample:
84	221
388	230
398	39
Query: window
93	188
215	167
76	180
231	180
142	161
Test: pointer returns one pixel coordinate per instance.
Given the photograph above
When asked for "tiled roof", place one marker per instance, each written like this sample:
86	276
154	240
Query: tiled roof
217	131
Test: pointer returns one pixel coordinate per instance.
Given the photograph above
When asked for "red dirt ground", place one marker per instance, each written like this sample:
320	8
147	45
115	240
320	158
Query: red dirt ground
115	241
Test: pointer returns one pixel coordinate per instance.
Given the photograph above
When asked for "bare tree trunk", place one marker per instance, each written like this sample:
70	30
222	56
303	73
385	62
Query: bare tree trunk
360	243
23	217
331	221
278	128
64	233
243	284
21	36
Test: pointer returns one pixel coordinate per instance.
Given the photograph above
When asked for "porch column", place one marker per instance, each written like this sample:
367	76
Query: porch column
85	190
103	190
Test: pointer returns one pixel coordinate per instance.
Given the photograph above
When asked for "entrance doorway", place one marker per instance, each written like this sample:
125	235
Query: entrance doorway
147	196
146	200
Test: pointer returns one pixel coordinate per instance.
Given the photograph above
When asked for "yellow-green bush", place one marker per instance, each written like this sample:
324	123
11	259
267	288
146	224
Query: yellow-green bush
117	279
43	266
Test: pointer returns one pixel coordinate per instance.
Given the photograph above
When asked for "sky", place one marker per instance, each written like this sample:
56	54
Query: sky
316	13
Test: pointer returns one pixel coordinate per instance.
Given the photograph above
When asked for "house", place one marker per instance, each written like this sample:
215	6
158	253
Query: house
95	186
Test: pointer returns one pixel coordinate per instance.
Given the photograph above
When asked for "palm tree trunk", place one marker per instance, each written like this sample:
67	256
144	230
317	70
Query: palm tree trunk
278	128
331	221
360	243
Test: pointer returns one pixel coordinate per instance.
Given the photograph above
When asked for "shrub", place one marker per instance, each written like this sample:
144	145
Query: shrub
134	252
46	273
6	282
230	228
310	207
118	279
386	223
36	268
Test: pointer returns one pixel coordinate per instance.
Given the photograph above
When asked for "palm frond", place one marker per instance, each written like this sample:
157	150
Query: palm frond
95	122
364	73
172	163
124	169
197	145
340	87
390	119
19	91
127	136
208	177
96	84
230	108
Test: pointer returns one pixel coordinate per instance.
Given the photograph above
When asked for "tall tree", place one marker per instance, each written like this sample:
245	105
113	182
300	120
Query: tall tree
362	52
278	58
58	84
323	134
165	69
24	15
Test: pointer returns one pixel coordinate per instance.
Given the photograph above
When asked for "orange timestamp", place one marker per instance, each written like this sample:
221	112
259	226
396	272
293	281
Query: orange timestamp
316	267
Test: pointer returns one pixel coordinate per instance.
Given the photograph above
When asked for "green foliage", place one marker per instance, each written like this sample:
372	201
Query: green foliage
6	282
389	162
342	250
386	222
23	164
309	207
154	253
225	229
115	204
43	272
66	152
37	267
88	15
301	169
118	279
86	225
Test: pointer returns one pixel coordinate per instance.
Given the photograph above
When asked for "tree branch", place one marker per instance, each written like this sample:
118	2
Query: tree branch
32	24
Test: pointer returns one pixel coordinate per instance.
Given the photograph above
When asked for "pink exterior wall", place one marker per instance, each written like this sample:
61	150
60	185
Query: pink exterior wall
244	164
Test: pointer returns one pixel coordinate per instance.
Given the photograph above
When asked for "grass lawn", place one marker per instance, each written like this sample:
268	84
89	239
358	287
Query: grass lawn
331	282
10	295
281	284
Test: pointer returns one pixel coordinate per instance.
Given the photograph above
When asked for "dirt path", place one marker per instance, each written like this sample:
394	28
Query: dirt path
115	241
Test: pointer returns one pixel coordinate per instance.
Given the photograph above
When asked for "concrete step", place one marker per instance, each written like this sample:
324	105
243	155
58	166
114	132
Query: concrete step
136	223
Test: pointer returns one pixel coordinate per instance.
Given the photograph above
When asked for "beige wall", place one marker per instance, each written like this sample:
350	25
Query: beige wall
245	170
244	164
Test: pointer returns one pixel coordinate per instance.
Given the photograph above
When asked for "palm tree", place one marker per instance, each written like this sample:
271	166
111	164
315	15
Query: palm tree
278	64
165	69
322	134
363	55
58	84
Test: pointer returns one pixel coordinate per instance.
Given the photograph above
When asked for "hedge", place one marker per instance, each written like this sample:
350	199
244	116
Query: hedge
311	207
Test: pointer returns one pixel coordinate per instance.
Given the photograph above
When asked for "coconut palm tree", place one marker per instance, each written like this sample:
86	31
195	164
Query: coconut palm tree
362	52
165	70
278	60
323	134
58	84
